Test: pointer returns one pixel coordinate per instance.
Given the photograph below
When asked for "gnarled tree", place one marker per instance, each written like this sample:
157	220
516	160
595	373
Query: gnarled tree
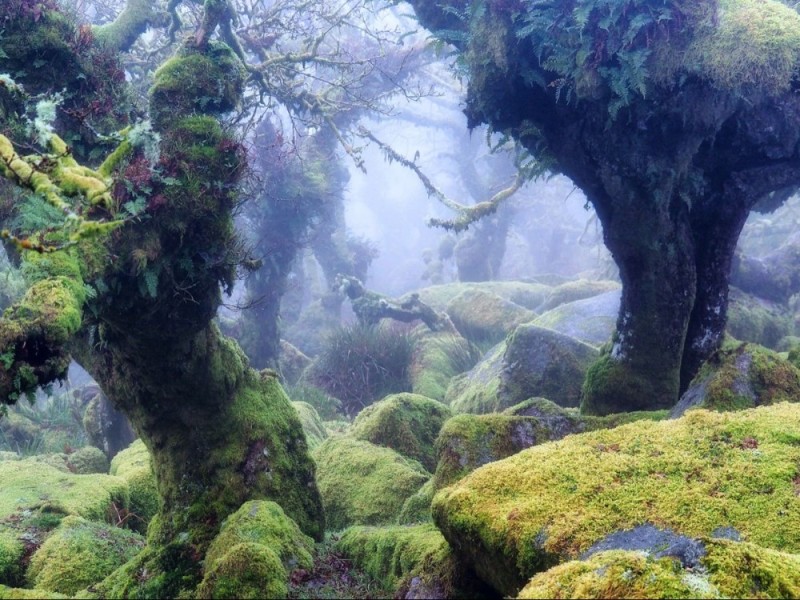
675	118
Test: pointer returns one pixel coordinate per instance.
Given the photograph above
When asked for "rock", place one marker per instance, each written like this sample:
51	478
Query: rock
134	465
364	484
533	361
549	504
312	425
484	317
417	508
105	426
87	460
438	356
291	363
591	320
753	319
741	376
79	553
246	571
572	291
414	561
527	295
406	423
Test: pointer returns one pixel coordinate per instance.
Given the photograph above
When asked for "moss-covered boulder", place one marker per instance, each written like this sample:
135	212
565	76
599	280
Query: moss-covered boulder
438	356
105	426
414	561
264	522
79	553
526	294
364	484
724	569
741	375
591	320
532	362
572	291
134	465
483	317
312	425
704	473
406	423
87	460
417	508
291	363
753	319
12	549
246	571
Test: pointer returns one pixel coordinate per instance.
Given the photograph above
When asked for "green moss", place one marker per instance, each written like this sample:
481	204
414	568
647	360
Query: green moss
527	295
485	318
8	593
477	390
576	290
513	518
397	555
312	425
406	423
263	522
11	552
752	319
467	442
87	460
135	466
247	570
727	570
438	357
417	508
364	484
79	553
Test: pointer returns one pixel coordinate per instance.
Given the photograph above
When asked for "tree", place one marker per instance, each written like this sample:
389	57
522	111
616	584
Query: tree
126	270
675	119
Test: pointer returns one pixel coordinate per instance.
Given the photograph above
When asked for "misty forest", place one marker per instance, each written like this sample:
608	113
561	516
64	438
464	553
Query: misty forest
399	299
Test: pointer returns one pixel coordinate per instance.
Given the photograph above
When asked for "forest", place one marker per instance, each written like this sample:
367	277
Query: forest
399	299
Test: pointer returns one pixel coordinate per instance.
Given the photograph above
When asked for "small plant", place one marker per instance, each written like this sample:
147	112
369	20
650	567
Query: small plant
360	364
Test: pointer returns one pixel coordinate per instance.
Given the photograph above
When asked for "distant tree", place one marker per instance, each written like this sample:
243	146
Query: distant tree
675	118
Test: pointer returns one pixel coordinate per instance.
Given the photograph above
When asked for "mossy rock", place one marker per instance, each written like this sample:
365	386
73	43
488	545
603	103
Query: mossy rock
755	320
438	356
741	376
417	508
527	295
312	425
484	317
364	484
727	569
291	363
591	320
264	522
572	291
406	423
135	466
12	550
694	476
247	570
87	460
532	362
414	561
11	593
79	553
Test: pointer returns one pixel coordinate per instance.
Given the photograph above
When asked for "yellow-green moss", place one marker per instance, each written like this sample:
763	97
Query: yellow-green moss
477	390
87	460
707	470
9	593
364	484
11	552
79	553
312	425
263	522
438	356
406	423
135	466
245	571
485	318
396	555
729	569
417	508
527	295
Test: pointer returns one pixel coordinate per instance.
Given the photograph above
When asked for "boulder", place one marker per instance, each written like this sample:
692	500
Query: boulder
572	291
291	363
756	320
484	317
705	473
312	424
134	465
438	356
591	320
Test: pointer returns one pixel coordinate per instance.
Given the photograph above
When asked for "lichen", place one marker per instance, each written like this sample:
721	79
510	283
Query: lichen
513	518
79	553
406	423
364	484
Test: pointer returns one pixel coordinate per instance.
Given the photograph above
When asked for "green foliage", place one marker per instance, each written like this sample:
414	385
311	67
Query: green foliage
360	364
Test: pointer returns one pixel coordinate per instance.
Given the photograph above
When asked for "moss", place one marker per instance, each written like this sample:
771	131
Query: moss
438	357
467	442
590	320
87	460
364	484
547	504
132	22
263	522
247	570
527	295
728	569
312	425
27	483
476	391
485	318
406	423
8	593
135	466
79	553
11	552
417	508
755	320
397	556
576	290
